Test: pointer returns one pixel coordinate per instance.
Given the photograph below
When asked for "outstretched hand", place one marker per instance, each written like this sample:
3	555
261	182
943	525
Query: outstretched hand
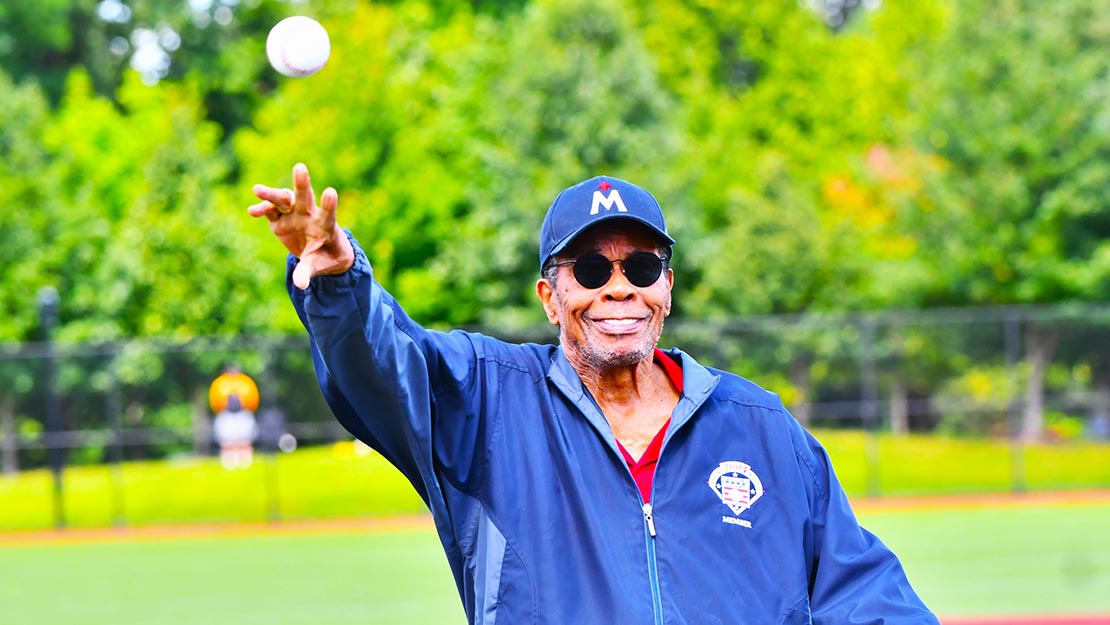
308	231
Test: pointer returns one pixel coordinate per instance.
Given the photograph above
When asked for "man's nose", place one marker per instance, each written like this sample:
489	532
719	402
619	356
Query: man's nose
618	287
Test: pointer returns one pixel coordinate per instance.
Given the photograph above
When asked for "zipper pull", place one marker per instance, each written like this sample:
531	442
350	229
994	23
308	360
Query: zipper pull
648	518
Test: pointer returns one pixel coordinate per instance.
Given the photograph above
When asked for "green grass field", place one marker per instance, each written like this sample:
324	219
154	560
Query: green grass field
331	482
320	482
392	577
1039	560
1011	560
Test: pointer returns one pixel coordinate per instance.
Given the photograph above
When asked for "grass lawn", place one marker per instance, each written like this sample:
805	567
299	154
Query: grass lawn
337	481
339	579
927	464
320	482
1007	561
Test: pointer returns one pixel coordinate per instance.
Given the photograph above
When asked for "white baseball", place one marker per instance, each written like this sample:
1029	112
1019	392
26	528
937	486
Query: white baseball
298	46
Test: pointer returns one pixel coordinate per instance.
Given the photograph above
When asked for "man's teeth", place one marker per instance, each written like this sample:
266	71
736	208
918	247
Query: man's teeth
620	322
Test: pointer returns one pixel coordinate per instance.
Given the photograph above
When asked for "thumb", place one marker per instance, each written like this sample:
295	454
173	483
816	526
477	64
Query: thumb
302	273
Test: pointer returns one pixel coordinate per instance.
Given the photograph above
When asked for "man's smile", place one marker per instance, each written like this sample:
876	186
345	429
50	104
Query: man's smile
618	324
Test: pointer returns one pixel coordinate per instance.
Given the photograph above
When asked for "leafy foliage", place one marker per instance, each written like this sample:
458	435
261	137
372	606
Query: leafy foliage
811	156
1018	114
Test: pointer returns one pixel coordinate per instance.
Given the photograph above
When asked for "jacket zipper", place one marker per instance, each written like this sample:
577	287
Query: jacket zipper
653	568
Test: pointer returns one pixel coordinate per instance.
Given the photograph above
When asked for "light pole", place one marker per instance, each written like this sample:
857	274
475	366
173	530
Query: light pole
48	315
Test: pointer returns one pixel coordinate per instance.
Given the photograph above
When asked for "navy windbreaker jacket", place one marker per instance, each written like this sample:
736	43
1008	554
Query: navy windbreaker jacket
537	511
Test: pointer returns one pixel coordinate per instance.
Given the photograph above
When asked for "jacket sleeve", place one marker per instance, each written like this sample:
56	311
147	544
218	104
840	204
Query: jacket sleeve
853	576
406	391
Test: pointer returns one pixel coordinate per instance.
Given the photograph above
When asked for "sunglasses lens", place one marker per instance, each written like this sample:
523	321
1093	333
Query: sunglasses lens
592	270
643	268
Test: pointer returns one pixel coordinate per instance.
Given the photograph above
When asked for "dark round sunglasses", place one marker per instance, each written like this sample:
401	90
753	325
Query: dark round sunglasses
594	270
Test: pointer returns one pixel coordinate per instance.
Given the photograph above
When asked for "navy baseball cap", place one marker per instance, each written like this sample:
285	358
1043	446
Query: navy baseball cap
593	201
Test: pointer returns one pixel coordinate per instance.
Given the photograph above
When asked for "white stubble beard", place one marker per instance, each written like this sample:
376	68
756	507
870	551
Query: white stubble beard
601	358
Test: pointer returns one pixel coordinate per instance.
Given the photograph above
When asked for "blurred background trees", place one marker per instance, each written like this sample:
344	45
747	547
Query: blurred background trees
813	157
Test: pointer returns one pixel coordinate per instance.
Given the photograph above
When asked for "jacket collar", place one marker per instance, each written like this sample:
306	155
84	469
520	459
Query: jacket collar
697	382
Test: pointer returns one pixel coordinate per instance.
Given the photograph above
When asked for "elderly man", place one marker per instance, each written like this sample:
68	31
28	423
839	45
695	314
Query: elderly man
603	480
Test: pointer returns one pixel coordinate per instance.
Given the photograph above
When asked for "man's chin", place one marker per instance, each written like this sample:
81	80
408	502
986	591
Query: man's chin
616	356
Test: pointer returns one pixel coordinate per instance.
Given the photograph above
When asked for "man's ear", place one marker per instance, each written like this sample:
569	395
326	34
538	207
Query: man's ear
670	289
545	293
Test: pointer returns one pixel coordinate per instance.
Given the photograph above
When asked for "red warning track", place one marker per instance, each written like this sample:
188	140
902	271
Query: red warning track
982	500
1091	619
417	522
212	530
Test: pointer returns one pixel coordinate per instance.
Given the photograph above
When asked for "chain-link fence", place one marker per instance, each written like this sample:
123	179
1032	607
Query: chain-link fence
1033	373
1018	373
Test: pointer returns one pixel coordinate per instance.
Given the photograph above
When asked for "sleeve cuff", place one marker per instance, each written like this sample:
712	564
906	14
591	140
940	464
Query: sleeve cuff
336	282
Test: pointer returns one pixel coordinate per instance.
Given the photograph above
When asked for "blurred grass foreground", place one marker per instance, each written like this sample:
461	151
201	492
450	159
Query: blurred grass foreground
346	479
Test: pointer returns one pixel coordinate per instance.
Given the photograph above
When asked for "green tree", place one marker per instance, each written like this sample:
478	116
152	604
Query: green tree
219	44
143	249
1020	213
455	140
44	39
129	233
32	207
778	112
575	94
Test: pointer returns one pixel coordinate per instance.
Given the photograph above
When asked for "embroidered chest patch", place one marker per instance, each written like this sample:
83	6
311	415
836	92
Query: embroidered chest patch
738	487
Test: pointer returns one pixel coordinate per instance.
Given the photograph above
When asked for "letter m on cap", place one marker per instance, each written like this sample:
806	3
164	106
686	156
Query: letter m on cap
608	202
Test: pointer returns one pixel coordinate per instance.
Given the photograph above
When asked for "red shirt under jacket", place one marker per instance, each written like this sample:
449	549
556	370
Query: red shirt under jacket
643	470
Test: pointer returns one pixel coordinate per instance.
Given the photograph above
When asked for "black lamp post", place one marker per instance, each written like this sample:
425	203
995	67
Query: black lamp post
48	315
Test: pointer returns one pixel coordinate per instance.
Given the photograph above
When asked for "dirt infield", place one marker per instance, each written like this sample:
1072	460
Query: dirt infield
982	500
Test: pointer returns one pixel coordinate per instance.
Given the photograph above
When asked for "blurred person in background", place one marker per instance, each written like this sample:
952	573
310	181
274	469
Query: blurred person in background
603	480
233	396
